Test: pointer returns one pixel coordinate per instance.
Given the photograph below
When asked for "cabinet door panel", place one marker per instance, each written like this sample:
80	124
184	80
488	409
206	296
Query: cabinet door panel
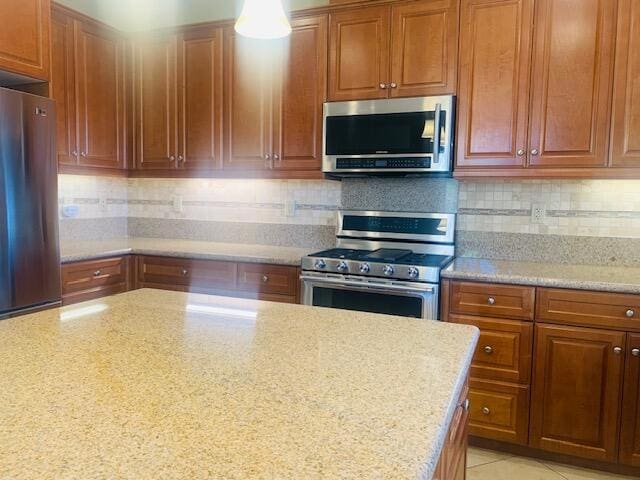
495	49
156	103
63	87
626	97
630	435
571	89
303	90
247	108
100	79
200	99
576	391
24	37
424	48
359	54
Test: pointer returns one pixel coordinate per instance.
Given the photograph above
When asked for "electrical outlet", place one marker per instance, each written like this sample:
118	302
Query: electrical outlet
538	212
290	207
177	204
103	204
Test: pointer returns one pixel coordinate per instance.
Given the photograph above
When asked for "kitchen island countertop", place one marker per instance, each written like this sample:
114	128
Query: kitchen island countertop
154	384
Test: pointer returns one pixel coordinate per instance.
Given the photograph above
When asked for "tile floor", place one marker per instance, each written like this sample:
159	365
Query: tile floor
489	465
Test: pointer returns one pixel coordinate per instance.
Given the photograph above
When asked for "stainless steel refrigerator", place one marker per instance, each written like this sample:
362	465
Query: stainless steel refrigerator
29	251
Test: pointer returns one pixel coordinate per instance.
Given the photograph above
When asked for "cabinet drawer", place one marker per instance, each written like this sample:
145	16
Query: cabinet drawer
492	300
499	411
504	349
267	279
184	274
583	308
93	279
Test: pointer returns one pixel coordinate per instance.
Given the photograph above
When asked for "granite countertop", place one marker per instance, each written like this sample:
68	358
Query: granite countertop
154	384
89	250
582	277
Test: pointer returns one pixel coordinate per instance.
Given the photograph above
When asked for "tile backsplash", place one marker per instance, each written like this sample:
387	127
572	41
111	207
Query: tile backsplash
586	208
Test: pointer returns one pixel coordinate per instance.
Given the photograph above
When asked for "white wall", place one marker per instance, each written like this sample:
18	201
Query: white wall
135	15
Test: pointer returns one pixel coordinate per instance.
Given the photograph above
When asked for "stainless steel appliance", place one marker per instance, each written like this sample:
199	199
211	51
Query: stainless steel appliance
384	263
401	137
29	252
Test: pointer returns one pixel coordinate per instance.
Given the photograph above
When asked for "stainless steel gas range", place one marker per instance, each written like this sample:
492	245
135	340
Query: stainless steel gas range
384	263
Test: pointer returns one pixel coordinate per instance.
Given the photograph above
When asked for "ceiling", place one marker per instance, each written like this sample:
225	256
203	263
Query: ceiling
135	15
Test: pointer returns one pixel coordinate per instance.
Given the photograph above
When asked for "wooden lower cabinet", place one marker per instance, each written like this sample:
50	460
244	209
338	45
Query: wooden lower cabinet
453	459
630	433
251	280
93	279
82	281
576	391
499	411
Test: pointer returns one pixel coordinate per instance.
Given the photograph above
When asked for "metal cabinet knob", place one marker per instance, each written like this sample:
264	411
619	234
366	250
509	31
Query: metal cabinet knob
265	279
617	350
486	410
488	350
631	313
521	152
180	158
172	158
466	404
74	153
267	156
185	271
491	301
97	273
534	152
383	86
393	85
83	154
276	156
635	352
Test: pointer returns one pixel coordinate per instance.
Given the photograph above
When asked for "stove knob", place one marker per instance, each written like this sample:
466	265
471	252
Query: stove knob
320	264
388	270
413	272
365	268
343	267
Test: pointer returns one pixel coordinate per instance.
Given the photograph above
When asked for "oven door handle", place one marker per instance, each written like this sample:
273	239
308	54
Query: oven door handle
368	286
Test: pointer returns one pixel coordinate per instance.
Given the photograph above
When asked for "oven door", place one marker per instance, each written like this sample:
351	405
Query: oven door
407	299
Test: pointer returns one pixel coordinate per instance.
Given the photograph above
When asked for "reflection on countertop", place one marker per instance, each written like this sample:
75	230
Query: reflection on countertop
156	384
583	277
74	251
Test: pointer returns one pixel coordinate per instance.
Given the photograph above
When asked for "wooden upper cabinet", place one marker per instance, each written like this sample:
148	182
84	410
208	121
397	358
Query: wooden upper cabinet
301	90
24	37
247	102
63	87
200	99
156	103
495	47
359	54
625	150
630	434
577	391
101	105
424	48
571	85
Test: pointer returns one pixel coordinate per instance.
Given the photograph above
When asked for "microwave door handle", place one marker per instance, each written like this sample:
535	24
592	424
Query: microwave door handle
436	134
365	285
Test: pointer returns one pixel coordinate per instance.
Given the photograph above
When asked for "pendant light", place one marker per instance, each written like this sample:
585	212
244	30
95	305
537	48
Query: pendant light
263	19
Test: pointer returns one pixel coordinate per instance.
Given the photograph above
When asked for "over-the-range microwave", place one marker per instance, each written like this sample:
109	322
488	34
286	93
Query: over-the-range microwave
396	137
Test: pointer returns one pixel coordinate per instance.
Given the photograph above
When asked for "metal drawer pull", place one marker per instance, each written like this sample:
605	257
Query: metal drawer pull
635	352
265	279
465	405
185	272
491	301
617	350
486	410
488	350
631	313
97	273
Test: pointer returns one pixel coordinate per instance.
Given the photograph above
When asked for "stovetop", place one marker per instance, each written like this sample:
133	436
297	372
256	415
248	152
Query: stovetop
400	264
